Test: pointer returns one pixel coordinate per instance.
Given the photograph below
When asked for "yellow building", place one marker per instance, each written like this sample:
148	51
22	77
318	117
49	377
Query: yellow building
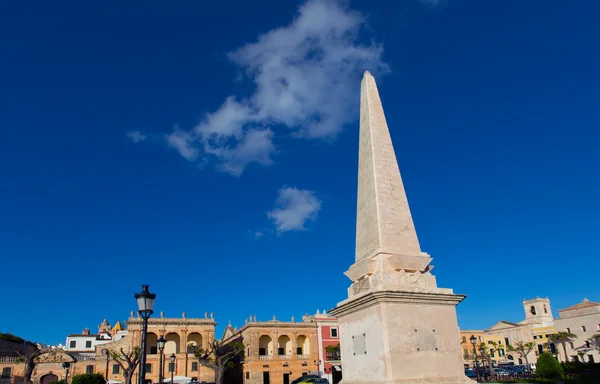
494	350
276	352
179	333
467	347
541	337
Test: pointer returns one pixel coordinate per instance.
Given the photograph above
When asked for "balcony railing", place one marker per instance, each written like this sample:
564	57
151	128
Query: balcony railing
282	357
8	359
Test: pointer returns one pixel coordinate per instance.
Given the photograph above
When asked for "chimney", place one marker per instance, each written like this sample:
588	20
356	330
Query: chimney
86	331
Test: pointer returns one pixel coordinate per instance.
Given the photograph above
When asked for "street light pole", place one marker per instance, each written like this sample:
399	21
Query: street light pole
145	301
473	340
172	366
160	343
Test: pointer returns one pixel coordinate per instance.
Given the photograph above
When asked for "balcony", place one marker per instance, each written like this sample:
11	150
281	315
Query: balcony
265	357
333	356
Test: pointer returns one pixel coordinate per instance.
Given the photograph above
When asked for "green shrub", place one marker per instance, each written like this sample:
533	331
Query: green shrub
547	367
88	378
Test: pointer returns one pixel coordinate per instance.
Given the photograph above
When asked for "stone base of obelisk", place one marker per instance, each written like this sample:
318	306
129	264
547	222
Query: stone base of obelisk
400	337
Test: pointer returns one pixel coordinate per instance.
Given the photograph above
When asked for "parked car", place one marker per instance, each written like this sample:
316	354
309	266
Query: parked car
319	380
471	374
501	372
302	379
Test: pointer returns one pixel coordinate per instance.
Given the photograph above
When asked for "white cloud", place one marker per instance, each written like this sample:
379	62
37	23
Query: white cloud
293	208
136	136
306	76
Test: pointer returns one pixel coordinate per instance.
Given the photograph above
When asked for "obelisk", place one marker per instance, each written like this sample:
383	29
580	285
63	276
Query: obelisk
396	326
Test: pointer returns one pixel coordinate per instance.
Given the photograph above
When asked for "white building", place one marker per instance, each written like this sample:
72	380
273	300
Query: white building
86	342
582	320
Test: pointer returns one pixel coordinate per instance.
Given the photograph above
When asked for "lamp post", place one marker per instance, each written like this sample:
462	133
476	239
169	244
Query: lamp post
473	340
107	353
160	343
172	366
145	302
66	367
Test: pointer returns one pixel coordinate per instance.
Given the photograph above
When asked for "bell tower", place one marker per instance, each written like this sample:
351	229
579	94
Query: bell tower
537	310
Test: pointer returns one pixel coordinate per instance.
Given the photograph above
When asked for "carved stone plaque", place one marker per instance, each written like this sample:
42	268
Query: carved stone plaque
359	344
425	339
361	286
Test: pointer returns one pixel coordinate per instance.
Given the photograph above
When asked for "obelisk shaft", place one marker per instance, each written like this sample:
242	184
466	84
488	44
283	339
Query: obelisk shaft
384	222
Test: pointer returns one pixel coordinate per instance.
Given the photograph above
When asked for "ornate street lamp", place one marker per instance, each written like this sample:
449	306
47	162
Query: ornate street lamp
66	367
473	340
145	301
172	366
160	343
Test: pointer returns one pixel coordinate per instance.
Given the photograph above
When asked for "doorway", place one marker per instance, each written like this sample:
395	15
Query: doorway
266	378
49	378
286	378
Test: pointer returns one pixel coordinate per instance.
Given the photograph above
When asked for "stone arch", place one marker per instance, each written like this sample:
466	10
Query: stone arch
151	346
302	345
284	345
173	343
265	345
194	338
48	378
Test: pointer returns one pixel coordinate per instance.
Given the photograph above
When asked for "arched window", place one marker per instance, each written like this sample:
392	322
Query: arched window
545	309
532	310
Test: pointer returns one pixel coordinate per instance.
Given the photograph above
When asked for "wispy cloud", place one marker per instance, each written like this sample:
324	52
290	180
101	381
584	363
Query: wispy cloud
306	77
293	208
136	136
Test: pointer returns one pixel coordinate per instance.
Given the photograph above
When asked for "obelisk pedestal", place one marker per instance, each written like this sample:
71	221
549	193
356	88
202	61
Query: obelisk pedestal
396	326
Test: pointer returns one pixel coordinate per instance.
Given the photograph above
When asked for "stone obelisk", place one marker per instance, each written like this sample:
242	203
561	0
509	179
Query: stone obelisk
396	326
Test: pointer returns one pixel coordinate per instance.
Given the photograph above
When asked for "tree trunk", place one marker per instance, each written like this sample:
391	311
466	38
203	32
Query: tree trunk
527	362
127	376
564	345
220	374
29	367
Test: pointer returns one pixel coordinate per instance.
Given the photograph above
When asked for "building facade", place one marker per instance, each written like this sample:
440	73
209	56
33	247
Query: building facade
179	333
538	322
583	321
276	352
328	336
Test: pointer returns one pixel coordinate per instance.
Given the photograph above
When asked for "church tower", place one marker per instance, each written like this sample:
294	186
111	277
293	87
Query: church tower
537	311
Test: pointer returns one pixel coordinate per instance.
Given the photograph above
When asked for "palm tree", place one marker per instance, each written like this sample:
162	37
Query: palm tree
562	337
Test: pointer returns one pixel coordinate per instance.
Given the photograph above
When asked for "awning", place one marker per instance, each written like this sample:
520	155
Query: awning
337	368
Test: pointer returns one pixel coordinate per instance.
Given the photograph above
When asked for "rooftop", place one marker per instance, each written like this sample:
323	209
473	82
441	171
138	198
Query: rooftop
584	304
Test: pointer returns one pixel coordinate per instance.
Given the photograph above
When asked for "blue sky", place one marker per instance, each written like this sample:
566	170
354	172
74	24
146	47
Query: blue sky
210	150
